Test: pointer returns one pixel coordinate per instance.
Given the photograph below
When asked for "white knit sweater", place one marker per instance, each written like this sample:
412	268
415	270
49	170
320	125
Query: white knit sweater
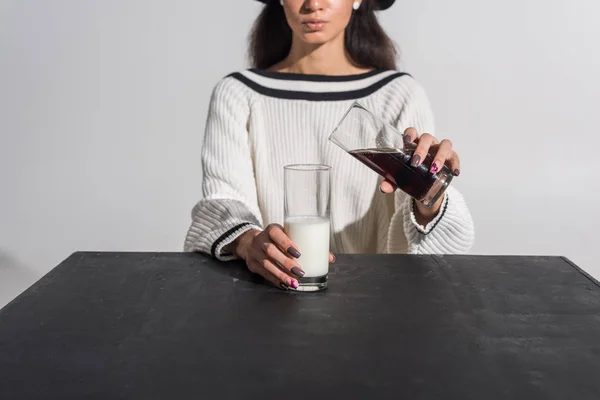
259	121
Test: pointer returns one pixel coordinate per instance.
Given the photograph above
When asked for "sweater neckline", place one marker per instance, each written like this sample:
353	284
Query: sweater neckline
293	86
292	76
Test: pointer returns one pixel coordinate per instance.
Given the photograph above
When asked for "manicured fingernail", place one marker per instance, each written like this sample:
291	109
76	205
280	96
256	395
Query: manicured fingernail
407	139
434	167
333	255
456	172
284	286
416	160
293	252
298	272
381	189
294	283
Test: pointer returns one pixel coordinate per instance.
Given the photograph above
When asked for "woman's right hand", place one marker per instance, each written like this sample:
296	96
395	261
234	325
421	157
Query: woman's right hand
271	254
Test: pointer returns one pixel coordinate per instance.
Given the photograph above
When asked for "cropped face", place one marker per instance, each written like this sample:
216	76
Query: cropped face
318	21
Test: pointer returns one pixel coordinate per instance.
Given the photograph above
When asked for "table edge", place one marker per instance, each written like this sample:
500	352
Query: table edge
581	271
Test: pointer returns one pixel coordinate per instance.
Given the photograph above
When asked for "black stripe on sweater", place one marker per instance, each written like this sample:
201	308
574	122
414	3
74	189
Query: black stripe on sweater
444	208
316	96
288	76
224	236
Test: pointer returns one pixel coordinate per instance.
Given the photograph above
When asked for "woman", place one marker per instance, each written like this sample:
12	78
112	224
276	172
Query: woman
312	59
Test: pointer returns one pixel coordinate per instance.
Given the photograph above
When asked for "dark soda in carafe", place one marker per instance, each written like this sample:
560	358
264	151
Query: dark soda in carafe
395	166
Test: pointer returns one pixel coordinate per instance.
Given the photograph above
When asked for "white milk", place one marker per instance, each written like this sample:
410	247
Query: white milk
311	237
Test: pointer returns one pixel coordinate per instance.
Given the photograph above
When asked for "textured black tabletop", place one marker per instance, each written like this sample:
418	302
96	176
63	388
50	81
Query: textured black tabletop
170	325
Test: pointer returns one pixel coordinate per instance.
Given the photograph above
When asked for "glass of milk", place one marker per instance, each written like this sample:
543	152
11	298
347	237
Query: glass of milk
306	221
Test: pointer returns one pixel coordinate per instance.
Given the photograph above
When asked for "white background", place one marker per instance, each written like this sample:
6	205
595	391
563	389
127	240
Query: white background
103	104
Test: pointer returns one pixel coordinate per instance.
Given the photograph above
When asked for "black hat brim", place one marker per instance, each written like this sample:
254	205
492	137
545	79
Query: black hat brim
383	4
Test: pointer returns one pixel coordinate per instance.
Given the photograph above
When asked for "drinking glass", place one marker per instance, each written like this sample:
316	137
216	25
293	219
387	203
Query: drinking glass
381	147
306	221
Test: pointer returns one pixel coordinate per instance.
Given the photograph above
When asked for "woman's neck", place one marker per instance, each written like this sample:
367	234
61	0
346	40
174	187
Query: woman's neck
324	59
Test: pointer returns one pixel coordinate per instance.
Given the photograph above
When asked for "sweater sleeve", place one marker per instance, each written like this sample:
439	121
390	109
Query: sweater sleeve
452	230
229	206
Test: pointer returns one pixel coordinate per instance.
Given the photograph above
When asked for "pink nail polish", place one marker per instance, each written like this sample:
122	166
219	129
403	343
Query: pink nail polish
434	167
294	283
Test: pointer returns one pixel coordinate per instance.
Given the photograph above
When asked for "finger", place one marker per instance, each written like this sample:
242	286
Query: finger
433	143
271	273
454	163
425	142
255	267
278	236
331	258
280	276
275	255
443	153
410	134
387	187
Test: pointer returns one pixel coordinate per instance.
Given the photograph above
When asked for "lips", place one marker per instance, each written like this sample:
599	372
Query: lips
315	24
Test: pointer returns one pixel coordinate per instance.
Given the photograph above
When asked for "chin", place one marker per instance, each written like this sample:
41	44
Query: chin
316	38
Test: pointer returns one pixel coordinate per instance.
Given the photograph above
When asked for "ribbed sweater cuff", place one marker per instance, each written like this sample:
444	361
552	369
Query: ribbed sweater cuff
451	232
216	224
425	230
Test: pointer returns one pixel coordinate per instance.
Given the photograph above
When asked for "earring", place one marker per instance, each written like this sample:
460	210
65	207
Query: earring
356	5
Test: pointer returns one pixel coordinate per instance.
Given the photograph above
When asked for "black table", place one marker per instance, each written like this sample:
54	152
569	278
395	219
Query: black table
170	325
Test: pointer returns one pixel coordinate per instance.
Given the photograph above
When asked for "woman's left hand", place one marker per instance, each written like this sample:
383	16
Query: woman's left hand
443	154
